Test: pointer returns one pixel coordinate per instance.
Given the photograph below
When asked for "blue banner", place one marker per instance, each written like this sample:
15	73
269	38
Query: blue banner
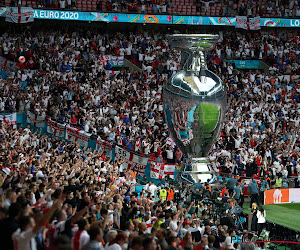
204	20
246	64
151	18
104	17
279	22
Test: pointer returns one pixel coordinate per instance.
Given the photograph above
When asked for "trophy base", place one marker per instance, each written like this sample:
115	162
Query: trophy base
196	169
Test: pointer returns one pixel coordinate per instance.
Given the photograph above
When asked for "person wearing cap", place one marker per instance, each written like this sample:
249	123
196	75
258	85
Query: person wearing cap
214	232
186	224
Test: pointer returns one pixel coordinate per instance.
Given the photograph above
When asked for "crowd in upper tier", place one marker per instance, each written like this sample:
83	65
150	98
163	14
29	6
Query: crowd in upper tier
250	8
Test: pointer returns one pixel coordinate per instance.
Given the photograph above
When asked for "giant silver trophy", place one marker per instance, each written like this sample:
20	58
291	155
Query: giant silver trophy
194	103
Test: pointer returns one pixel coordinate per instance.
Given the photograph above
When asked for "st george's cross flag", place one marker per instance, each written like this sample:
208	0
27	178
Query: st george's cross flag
161	170
19	14
131	161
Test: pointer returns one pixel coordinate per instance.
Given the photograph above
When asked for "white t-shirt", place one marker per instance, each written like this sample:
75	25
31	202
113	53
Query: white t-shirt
141	57
153	189
111	215
24	240
83	239
169	154
59	227
173	225
114	247
228	243
238	142
62	4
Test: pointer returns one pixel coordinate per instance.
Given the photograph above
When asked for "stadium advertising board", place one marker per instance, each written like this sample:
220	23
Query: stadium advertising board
204	20
104	17
279	22
149	18
246	64
284	195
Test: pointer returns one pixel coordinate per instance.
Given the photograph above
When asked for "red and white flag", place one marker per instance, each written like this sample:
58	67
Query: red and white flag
36	119
19	15
160	170
117	61
102	145
105	59
77	135
55	128
247	23
8	120
111	72
171	142
131	160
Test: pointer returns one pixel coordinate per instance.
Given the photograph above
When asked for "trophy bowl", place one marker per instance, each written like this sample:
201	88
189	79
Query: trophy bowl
195	104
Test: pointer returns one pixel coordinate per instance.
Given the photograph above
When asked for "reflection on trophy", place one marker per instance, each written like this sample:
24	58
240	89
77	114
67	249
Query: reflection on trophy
194	102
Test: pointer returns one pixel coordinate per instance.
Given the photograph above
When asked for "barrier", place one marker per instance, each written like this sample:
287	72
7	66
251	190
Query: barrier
285	195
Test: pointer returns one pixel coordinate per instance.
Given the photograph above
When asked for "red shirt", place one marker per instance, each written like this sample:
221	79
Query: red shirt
104	157
198	247
224	191
74	120
76	239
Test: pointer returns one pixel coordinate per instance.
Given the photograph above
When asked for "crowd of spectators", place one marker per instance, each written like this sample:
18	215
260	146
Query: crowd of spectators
280	50
64	78
69	83
90	203
86	197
